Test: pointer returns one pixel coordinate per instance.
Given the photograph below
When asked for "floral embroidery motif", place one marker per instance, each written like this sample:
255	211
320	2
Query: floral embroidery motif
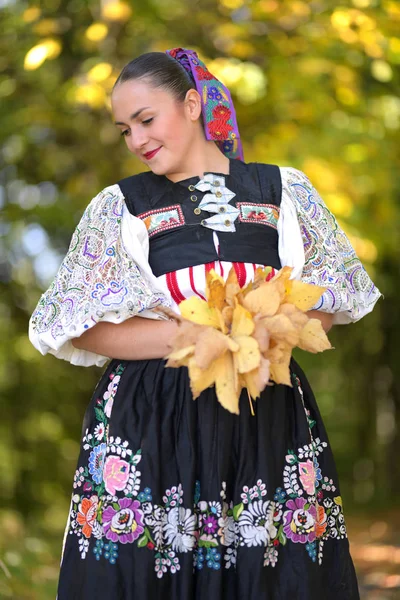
217	200
330	259
109	506
217	107
266	214
96	276
162	219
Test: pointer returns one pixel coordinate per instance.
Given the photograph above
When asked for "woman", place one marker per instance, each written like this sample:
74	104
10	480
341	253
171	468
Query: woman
175	498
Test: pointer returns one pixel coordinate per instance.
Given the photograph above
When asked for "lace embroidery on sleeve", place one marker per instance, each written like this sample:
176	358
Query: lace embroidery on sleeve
330	259
97	279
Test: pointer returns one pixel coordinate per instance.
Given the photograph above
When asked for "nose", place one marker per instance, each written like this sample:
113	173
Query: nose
137	140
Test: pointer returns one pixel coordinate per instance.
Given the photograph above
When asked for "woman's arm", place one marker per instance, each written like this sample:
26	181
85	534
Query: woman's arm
325	318
134	339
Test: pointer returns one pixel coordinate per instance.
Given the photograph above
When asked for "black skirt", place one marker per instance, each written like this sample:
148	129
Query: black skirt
179	499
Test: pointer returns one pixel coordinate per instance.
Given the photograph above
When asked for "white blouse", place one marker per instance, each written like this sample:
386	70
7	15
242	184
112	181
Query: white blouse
106	276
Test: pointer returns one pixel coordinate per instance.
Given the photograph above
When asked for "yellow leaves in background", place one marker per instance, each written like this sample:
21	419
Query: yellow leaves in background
31	14
243	337
90	94
116	11
381	71
48	49
100	72
96	32
245	79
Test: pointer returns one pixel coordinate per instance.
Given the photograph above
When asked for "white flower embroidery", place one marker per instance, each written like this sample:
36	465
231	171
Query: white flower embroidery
256	523
179	529
99	431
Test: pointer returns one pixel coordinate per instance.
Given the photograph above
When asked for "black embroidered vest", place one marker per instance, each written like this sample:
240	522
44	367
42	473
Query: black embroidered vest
177	237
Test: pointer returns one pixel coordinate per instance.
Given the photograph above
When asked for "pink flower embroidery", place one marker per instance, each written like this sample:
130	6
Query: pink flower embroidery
307	476
115	474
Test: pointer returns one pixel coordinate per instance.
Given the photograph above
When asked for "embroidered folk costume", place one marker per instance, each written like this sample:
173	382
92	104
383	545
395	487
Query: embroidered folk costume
175	498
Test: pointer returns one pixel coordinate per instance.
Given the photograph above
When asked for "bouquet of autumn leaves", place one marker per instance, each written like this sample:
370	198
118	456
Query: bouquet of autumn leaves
243	337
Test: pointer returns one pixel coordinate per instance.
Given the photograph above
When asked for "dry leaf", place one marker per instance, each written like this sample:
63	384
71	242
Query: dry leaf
264	300
216	295
227	384
232	287
244	337
201	379
197	310
313	337
248	357
242	321
281	329
210	345
261	334
304	295
280	374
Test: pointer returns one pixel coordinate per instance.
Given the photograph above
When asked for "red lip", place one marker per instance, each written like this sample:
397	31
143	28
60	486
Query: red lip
152	153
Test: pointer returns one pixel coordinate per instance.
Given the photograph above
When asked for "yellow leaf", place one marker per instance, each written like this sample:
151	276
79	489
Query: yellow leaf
261	334
304	295
278	353
283	274
227	315
249	382
212	276
232	287
209	346
200	379
256	380
197	310
216	294
313	337
260	276
296	316
227	387
280	373
248	357
264	300
242	321
281	329
182	353
186	335
338	500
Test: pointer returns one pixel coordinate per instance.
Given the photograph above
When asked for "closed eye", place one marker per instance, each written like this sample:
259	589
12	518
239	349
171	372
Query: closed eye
147	122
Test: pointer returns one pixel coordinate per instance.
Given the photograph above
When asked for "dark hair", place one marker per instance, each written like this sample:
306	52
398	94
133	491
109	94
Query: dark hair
161	70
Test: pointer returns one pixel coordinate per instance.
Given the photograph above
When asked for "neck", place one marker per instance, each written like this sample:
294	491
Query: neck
206	158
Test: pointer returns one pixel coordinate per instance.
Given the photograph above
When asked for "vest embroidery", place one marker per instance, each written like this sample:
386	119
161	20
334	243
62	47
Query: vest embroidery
266	214
162	219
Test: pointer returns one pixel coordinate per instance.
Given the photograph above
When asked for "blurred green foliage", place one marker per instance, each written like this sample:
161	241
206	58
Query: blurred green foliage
316	85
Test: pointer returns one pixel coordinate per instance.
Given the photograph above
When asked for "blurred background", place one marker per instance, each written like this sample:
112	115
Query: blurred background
316	85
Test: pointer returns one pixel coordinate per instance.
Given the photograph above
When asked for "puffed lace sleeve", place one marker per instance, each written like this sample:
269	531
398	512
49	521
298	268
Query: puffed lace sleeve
105	276
311	241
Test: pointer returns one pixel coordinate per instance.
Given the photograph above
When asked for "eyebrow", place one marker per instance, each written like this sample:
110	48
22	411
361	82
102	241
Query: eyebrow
133	115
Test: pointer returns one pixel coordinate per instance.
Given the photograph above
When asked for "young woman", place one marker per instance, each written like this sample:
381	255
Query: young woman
174	498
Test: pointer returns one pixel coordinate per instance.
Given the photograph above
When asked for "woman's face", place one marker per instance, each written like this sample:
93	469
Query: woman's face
157	129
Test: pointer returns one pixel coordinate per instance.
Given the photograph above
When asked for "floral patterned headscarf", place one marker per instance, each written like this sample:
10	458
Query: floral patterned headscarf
219	114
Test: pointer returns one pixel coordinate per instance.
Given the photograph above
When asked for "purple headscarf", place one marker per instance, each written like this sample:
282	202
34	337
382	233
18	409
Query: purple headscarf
219	114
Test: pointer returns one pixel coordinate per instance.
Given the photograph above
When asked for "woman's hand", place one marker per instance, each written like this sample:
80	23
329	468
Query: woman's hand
325	318
134	339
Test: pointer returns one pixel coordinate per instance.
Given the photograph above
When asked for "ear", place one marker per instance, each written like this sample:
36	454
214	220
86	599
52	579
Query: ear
193	104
